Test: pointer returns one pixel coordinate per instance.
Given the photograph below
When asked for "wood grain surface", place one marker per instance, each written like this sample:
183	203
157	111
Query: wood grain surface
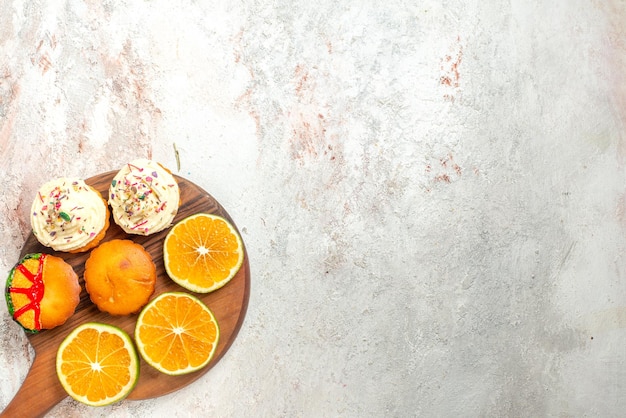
41	389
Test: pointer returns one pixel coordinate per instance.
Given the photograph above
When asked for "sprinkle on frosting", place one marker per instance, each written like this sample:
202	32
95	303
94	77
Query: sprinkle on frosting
144	197
67	214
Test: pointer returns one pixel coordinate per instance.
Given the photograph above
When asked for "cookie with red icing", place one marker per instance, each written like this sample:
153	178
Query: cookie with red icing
42	292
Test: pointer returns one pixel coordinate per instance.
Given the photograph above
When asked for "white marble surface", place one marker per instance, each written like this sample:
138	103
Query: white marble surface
432	193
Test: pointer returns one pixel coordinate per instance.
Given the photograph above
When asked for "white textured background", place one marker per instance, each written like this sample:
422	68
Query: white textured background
432	193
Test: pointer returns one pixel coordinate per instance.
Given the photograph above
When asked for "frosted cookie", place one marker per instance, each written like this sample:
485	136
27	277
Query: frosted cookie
69	215
144	197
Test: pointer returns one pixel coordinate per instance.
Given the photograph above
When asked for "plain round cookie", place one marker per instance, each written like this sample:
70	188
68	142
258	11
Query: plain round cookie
120	277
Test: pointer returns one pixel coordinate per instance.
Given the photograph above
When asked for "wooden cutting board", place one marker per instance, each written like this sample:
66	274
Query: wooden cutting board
41	389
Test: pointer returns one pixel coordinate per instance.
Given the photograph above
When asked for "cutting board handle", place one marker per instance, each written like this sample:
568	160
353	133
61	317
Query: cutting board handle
35	386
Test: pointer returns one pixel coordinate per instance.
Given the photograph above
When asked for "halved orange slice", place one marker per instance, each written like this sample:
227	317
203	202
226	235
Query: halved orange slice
202	252
97	364
176	333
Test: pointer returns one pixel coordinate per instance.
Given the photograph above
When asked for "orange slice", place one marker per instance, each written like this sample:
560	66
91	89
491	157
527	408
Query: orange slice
97	364
202	252
176	333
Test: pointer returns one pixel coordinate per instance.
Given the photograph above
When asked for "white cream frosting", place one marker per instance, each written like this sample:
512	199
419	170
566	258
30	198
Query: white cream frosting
144	197
67	214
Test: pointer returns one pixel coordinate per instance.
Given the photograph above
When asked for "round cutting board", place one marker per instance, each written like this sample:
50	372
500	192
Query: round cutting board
41	389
